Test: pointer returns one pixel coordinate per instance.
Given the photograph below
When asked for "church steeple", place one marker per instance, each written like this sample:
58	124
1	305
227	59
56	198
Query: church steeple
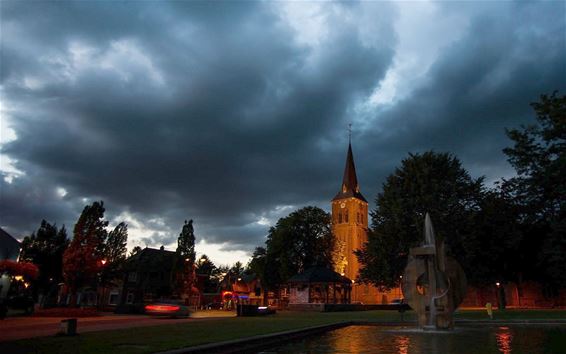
350	187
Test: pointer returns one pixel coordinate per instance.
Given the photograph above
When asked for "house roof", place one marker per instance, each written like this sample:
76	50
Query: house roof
9	246
350	187
152	259
319	275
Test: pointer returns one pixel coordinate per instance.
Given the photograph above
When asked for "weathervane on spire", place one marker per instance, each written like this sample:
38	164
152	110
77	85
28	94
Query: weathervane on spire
350	133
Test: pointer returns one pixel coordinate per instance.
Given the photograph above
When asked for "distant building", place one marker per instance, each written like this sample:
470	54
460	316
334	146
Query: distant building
9	250
241	289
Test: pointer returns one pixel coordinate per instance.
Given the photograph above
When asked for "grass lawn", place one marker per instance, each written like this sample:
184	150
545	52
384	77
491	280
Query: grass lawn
201	331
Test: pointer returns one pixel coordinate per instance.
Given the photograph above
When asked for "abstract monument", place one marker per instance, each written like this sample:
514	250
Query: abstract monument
433	284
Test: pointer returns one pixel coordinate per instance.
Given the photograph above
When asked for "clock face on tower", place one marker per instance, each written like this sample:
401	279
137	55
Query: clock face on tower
343	205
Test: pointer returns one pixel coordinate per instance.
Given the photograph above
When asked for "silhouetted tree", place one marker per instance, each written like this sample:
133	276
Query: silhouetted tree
45	248
539	157
237	269
205	267
298	241
115	253
186	258
430	182
135	250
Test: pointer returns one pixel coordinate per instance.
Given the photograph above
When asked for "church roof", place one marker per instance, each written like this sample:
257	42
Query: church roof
350	187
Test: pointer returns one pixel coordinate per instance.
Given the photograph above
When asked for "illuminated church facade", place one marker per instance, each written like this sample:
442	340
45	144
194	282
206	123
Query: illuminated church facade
350	229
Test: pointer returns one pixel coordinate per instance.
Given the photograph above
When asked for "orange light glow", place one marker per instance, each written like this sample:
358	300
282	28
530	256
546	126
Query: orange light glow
162	308
504	338
402	344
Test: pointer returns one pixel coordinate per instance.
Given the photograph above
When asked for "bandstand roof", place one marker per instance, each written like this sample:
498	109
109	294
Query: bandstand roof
319	275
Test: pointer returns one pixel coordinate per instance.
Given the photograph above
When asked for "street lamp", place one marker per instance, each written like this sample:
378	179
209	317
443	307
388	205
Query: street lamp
100	282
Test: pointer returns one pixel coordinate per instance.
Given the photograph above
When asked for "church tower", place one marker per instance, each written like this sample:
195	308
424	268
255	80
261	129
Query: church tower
349	224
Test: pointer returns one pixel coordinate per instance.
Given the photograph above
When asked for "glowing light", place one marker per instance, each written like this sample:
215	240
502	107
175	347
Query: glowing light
162	308
18	278
402	344
61	192
504	338
103	261
497	284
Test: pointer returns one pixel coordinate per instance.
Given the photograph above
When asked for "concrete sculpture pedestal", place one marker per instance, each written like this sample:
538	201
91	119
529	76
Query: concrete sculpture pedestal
434	285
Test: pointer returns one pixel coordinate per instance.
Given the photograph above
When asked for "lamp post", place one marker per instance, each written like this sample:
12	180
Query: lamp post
101	283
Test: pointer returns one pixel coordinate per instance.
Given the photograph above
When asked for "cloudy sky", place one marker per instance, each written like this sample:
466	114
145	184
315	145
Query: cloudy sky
235	113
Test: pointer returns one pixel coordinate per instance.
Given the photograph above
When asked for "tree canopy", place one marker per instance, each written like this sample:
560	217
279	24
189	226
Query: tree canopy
186	242
115	252
81	260
430	182
539	157
205	267
45	248
298	241
186	258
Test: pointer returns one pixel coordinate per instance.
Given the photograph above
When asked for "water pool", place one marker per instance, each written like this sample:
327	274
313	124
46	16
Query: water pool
509	339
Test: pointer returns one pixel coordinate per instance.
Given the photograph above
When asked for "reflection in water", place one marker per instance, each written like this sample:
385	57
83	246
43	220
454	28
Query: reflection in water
504	337
349	340
402	343
515	339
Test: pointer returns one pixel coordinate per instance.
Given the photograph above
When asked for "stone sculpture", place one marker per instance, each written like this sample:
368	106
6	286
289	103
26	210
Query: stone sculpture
433	284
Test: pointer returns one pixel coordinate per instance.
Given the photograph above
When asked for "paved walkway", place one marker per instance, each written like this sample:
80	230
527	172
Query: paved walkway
13	328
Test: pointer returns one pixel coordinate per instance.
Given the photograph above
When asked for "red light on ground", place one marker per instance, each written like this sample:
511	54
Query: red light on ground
162	308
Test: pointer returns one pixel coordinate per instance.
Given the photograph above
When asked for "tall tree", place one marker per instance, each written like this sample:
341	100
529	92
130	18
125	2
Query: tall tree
539	157
257	262
186	242
430	182
45	248
237	269
205	267
495	250
186	258
298	241
82	259
134	251
115	252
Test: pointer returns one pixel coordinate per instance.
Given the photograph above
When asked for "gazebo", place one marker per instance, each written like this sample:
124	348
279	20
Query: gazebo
319	285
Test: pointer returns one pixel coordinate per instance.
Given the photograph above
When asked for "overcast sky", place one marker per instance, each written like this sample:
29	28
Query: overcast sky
235	113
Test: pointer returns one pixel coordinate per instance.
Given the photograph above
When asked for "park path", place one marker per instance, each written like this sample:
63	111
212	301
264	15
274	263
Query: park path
14	328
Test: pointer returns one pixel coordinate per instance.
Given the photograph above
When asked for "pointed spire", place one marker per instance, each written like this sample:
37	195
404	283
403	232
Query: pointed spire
349	187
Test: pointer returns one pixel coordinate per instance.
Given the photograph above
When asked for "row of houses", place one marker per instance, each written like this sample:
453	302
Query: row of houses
148	276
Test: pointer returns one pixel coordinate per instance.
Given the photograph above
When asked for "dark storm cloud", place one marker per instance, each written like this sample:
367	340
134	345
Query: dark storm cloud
510	54
219	112
214	113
